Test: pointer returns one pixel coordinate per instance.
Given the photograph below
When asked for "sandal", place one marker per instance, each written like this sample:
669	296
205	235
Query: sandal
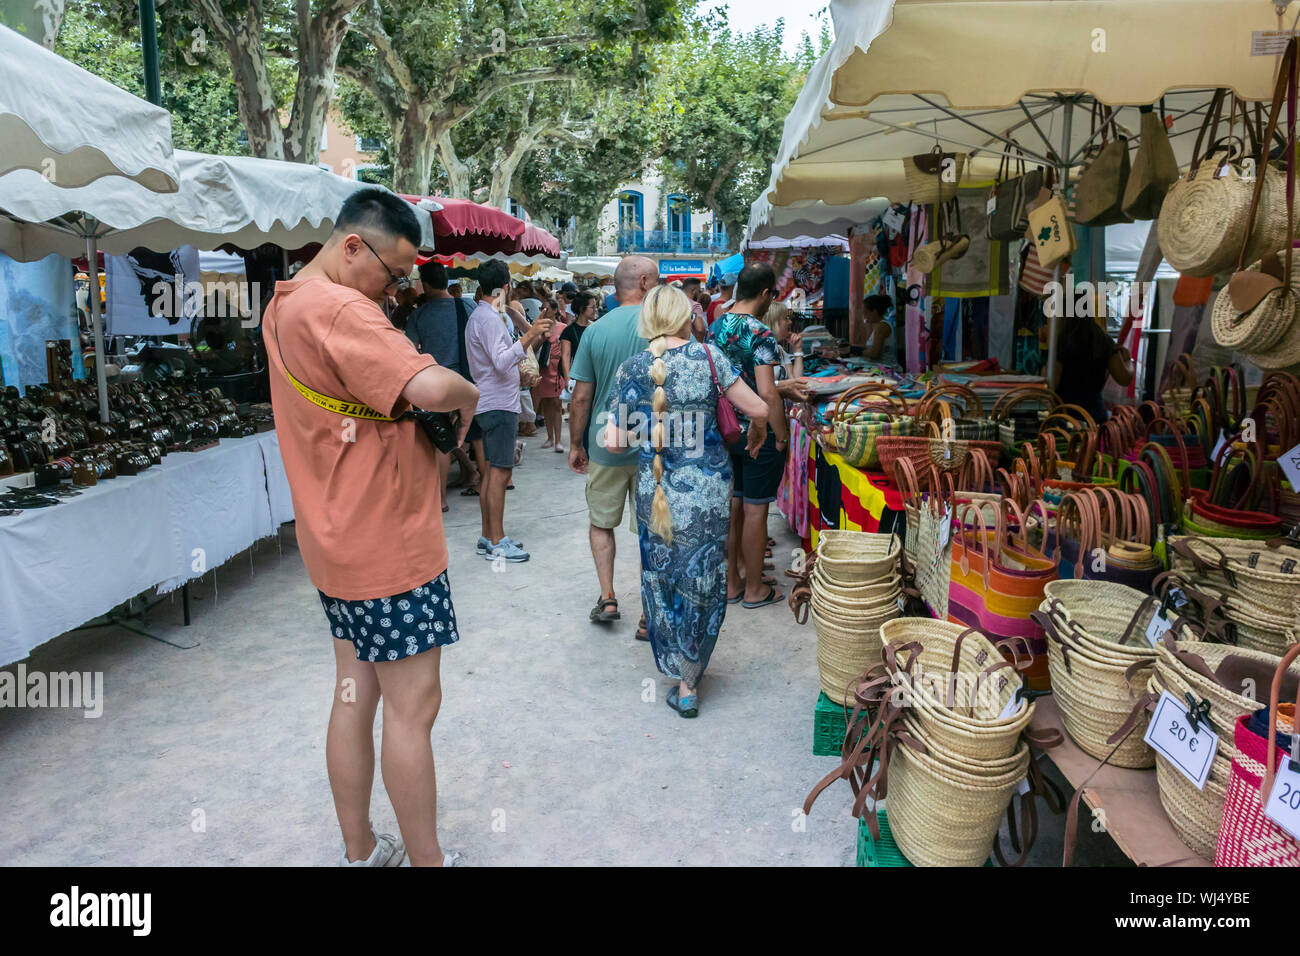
687	706
737	599
470	492
772	597
642	634
606	609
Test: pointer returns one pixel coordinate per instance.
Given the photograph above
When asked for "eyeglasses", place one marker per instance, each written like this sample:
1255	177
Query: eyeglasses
402	282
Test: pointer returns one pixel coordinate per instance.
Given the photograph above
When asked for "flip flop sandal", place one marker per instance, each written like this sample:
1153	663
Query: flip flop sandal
469	493
737	599
601	614
446	508
685	706
771	598
642	634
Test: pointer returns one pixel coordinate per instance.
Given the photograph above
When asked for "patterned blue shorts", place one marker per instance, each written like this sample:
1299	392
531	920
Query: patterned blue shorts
389	629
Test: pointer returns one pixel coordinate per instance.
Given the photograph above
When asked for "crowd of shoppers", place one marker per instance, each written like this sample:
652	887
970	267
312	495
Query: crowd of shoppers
643	375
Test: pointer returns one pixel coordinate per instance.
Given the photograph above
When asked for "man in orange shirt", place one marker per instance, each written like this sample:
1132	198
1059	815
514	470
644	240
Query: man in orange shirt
369	515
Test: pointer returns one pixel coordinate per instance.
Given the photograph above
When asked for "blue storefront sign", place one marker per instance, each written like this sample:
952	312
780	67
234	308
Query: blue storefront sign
681	268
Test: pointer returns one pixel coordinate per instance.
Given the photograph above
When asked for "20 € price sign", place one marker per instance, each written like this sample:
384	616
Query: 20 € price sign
1283	806
1172	735
1290	462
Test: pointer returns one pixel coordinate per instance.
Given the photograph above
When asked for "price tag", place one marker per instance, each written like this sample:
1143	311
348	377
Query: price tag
1013	706
945	529
1158	628
1170	734
992	204
902	603
1218	446
1283	806
1023	787
947	452
893	220
1177	598
1290	462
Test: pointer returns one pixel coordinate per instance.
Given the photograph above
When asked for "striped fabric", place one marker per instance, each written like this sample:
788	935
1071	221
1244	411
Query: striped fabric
868	501
1035	276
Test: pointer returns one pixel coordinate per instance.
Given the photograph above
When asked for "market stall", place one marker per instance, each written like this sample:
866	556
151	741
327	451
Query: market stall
1138	564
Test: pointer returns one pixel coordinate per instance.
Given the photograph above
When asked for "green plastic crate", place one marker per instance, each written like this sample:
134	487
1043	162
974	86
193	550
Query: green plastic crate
886	851
829	727
883	853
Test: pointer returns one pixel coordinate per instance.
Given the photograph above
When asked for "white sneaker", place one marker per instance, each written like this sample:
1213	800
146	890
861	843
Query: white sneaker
389	851
453	859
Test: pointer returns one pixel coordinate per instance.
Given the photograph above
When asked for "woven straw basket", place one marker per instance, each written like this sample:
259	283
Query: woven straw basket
1196	814
849	558
943	816
973	726
843	653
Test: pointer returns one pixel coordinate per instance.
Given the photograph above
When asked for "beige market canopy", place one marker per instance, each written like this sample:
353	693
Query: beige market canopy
972	75
73	127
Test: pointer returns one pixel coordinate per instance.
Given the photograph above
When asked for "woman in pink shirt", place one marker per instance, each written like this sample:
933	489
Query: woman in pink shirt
546	393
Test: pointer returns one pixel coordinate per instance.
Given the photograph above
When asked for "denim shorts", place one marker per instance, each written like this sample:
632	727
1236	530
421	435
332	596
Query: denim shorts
391	628
499	432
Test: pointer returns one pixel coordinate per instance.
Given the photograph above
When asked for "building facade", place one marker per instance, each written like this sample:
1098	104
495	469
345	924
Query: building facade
645	218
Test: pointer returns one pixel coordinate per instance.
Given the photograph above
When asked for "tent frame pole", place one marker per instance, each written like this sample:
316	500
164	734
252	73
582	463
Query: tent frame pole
1054	319
101	373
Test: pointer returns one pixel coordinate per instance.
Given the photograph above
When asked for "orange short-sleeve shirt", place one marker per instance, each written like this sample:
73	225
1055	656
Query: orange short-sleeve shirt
365	494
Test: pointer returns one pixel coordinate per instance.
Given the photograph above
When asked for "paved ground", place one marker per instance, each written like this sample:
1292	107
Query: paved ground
547	752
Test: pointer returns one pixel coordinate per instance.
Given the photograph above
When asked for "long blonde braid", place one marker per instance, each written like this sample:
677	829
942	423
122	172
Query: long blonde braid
661	516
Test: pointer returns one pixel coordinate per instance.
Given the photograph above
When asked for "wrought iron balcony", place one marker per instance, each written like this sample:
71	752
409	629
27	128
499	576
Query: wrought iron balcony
661	240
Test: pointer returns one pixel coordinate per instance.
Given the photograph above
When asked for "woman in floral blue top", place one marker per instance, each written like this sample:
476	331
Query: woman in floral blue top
665	400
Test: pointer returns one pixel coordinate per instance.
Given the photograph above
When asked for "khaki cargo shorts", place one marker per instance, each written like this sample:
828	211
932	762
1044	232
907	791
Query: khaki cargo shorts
608	488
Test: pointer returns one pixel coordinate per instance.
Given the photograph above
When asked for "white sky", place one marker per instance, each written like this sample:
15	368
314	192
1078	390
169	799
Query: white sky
801	16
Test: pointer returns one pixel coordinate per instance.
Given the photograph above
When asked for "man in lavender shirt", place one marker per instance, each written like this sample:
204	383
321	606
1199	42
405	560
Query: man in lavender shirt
494	364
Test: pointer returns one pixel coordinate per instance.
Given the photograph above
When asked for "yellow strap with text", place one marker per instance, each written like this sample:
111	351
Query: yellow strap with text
335	405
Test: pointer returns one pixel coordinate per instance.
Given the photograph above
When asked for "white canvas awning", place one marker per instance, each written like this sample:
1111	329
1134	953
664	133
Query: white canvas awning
236	200
972	74
73	127
810	218
593	267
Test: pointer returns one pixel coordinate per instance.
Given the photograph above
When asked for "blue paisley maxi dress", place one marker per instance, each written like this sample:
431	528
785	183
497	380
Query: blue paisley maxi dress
683	584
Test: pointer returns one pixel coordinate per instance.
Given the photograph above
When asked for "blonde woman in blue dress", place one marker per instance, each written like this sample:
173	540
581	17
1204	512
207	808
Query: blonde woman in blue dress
665	400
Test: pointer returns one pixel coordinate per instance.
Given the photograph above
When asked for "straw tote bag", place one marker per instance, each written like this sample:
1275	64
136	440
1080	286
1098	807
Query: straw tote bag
1099	195
1203	218
1154	169
933	177
1257	310
1247	836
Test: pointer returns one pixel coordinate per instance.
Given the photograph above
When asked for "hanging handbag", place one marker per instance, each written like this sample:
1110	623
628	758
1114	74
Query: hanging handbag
933	177
1009	201
728	423
1099	194
1050	229
1256	314
952	245
1154	168
1202	221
